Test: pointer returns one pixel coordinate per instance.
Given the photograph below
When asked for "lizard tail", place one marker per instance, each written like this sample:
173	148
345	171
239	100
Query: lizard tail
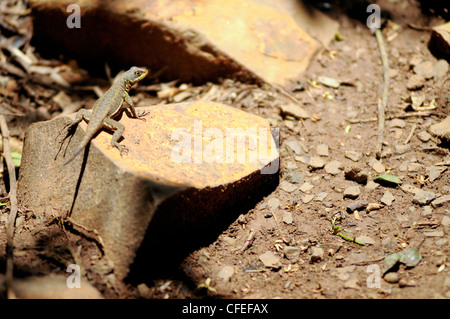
80	147
77	151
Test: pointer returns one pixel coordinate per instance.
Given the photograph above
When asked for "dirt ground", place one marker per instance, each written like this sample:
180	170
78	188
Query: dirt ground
294	222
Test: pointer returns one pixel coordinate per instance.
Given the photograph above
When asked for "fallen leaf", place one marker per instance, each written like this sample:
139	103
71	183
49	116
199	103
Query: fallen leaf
388	178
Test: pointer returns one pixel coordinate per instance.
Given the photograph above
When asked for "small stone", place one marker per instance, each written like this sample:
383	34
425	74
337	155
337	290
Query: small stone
423	197
356	174
424	136
287	187
409	188
294	146
294	110
359	205
402	283
307	198
434	233
414	167
316	162
398	123
434	172
322	150
352	192
294	177
392	277
316	254
333	167
352	283
292	253
306	187
403	166
273	204
302	159
440	69
387	198
287	218
143	290
377	166
321	196
415	82
440	201
442	129
425	69
427	210
353	155
365	239
371	185
270	260
402	148
446	221
226	273
374	206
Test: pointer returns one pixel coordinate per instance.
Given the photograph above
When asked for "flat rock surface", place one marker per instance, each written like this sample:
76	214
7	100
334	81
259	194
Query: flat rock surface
179	169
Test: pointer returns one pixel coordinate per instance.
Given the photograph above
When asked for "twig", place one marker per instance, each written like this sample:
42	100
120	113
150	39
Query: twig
384	97
390	117
13	199
248	241
410	134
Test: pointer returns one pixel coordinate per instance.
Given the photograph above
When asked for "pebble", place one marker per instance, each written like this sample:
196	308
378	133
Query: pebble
414	167
415	82
377	166
307	198
402	148
321	196
316	254
359	205
294	146
445	221
226	273
273	203
352	192
294	110
365	239
392	277
409	188
434	233
425	69
356	174
434	172
353	155
294	177
322	150
442	129
287	187
374	206
270	260
387	198
316	162
423	197
424	136
440	201
333	167
371	185
291	253
352	283
427	210
287	218
440	69
398	123
306	187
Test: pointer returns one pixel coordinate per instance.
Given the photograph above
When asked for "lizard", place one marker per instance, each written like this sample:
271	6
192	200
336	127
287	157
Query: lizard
106	108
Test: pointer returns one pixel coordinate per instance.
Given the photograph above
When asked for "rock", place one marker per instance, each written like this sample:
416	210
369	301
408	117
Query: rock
307	198
391	277
371	185
415	82
294	177
439	43
321	196
204	53
352	283
387	198
352	192
356	174
294	146
226	273
403	282
359	205
287	218
373	206
377	166
409	188
414	167
445	221
353	155
291	253
423	197
306	187
425	69
397	123
322	150
287	187
402	148
440	69
442	129
434	233
365	239
424	136
440	201
427	211
273	204
333	167
316	254
294	110
181	193
270	260
316	162
434	172
53	287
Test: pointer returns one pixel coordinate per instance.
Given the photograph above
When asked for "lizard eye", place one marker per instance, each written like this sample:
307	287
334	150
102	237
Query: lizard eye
138	73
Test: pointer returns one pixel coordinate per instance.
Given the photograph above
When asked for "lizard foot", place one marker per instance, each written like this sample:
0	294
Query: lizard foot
122	149
140	115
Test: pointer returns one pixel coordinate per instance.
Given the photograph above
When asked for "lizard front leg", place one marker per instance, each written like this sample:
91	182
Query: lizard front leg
130	103
118	129
80	115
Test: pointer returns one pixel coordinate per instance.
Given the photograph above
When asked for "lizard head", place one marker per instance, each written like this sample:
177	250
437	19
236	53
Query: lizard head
133	76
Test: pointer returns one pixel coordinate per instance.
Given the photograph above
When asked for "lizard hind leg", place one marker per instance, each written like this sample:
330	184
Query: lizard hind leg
118	129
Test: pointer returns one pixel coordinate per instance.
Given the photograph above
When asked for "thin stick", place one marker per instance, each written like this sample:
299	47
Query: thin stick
410	134
384	97
390	117
13	200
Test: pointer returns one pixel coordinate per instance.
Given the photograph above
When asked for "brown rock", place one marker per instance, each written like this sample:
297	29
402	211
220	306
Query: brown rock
164	190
